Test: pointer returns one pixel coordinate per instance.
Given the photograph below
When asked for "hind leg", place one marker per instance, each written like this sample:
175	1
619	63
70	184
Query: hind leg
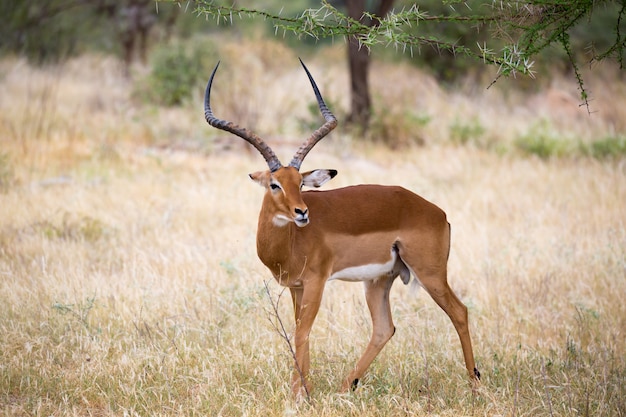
377	296
429	263
438	288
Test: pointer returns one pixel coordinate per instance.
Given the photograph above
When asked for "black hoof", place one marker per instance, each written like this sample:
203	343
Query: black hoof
355	383
476	373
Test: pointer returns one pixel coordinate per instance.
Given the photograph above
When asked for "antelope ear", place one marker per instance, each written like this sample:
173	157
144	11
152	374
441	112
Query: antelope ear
318	177
261	177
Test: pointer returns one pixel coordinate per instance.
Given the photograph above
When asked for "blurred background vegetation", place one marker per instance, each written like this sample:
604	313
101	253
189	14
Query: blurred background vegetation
177	42
54	30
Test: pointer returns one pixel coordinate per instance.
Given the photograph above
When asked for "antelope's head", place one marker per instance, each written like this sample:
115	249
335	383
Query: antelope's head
283	184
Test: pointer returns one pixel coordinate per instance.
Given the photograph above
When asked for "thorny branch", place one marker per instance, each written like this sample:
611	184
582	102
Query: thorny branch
527	27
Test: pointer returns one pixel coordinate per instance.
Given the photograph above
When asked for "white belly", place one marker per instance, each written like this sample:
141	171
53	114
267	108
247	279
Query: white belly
373	271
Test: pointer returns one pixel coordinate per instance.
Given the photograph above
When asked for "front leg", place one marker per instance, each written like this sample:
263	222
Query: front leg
306	304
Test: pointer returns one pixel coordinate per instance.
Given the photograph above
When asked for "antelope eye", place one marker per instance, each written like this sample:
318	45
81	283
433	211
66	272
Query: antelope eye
274	186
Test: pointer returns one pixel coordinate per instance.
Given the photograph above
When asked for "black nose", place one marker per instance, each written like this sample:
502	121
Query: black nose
301	212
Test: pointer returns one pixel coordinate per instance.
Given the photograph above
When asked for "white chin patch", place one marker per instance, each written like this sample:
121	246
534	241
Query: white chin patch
280	220
302	223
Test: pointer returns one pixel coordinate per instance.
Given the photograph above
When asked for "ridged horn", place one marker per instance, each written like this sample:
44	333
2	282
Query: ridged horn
331	123
248	136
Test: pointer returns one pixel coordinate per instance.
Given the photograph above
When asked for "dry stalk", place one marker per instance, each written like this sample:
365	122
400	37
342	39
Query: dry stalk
277	322
545	385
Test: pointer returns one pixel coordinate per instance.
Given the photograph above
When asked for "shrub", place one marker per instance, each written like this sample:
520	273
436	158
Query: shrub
545	144
542	142
176	70
609	147
470	132
398	128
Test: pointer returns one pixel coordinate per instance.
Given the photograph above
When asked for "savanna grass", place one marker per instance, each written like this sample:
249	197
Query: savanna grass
129	283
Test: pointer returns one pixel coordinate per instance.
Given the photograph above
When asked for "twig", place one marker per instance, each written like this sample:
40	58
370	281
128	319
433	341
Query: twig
277	323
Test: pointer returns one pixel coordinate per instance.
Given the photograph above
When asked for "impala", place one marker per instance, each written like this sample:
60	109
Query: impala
367	233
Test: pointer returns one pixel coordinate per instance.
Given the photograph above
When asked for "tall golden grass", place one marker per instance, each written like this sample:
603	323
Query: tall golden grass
129	283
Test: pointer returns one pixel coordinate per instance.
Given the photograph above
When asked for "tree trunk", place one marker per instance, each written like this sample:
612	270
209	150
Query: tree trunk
359	61
360	101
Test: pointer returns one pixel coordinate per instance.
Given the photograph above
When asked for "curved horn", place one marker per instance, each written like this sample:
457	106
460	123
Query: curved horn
248	136
331	123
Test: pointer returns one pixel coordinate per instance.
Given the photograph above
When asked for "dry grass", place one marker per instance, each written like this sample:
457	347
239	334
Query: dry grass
129	283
